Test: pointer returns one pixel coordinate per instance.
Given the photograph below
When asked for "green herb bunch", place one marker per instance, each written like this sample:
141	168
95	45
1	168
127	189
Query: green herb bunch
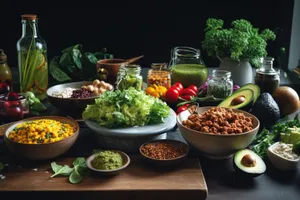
239	42
74	64
74	173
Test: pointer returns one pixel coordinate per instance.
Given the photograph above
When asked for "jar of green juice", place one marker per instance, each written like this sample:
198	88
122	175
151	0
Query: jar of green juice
187	66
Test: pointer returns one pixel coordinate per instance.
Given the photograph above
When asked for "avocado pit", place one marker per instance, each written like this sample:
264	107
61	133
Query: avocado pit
248	160
238	100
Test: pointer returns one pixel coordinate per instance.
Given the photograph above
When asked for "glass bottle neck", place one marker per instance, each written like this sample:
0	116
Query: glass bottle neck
29	28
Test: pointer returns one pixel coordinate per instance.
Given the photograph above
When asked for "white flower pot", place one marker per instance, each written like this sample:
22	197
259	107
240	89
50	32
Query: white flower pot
241	71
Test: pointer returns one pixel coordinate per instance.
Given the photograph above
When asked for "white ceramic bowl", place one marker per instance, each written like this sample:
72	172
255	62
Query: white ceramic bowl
217	146
131	138
281	162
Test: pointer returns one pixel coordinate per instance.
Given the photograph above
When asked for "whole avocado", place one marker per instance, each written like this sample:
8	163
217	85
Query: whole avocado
266	110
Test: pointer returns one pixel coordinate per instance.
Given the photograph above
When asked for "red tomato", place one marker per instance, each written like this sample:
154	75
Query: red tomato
172	95
189	92
177	88
186	97
182	108
178	84
193	87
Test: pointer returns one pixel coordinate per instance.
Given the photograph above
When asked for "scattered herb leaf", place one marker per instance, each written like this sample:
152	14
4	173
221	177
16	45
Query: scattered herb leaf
61	170
75	174
75	177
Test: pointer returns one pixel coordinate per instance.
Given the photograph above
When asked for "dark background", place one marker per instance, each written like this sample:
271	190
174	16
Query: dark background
142	29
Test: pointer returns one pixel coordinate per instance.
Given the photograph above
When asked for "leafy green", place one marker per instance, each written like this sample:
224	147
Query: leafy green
126	108
61	170
266	138
240	41
75	174
74	64
34	103
75	177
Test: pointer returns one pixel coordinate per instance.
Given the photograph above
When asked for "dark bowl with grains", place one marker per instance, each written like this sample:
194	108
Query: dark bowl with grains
75	96
164	152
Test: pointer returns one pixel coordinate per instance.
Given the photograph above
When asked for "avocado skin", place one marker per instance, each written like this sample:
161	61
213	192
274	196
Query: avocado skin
266	110
246	105
243	173
255	88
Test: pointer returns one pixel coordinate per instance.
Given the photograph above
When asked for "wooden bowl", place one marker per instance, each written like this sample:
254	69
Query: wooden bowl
167	162
125	158
43	151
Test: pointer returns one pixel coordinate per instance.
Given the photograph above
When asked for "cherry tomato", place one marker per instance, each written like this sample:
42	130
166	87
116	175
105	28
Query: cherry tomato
172	95
186	97
189	92
182	108
193	87
179	85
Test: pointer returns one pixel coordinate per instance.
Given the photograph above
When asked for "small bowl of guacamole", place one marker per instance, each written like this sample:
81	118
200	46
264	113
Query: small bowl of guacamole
108	162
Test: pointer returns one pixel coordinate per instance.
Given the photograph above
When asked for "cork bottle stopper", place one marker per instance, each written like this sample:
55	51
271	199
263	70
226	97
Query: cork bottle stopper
29	17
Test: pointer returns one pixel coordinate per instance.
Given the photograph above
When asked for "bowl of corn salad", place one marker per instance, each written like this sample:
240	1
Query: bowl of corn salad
41	138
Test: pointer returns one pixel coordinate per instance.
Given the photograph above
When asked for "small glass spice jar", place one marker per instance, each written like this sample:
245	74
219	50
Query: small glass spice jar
221	84
160	75
129	75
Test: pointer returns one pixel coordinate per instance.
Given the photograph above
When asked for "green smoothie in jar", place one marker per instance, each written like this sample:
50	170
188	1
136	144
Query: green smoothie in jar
187	66
189	74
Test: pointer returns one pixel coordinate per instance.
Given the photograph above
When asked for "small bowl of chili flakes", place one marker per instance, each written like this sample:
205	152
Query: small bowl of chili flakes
164	152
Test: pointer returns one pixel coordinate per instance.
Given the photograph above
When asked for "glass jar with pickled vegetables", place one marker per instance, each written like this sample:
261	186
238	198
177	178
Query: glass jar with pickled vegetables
32	58
129	75
160	75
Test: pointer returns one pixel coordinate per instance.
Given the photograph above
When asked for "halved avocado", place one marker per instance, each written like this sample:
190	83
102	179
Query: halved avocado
255	88
249	163
240	99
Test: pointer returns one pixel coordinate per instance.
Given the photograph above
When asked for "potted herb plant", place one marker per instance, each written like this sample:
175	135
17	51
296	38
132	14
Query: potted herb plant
239	47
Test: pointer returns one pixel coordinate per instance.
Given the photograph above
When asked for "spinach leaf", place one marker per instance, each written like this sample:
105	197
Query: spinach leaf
75	177
61	170
79	162
76	65
1	166
66	59
89	61
77	54
56	72
83	170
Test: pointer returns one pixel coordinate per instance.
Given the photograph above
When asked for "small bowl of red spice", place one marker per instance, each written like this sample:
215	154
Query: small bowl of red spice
164	152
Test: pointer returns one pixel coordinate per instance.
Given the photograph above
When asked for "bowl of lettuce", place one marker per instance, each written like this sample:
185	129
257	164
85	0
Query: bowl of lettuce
126	119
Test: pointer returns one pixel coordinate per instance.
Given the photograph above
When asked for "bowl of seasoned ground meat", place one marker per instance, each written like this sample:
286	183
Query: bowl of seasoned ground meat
217	132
